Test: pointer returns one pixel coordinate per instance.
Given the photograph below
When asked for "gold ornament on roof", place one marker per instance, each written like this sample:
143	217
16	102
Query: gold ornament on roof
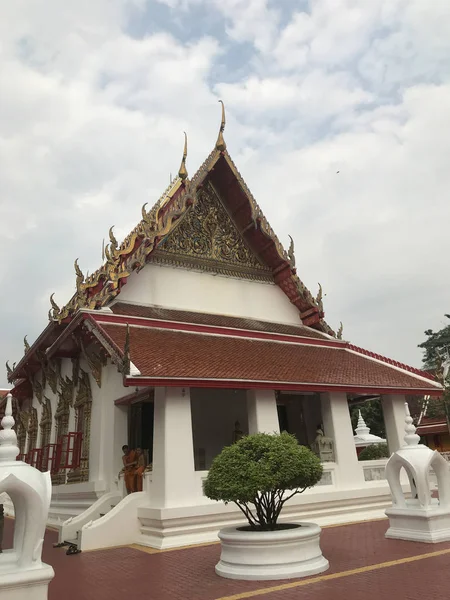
319	298
220	144
112	239
291	253
340	331
8	369
26	344
182	172
55	307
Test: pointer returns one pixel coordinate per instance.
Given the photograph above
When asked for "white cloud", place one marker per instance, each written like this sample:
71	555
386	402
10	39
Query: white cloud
91	122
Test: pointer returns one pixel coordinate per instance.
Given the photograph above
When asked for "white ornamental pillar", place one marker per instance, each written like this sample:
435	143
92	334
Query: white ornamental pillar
173	478
262	411
338	426
22	573
394	420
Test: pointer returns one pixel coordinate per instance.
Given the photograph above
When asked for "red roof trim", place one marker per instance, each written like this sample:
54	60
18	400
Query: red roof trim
115	319
273	385
392	362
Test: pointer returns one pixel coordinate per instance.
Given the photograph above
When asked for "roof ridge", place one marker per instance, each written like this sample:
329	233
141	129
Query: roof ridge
391	361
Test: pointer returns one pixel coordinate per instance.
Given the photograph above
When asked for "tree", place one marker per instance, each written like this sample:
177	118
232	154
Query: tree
256	472
374	452
436	346
436	351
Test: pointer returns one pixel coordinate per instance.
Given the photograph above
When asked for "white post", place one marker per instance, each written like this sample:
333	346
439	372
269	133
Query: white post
262	411
173	478
337	425
394	420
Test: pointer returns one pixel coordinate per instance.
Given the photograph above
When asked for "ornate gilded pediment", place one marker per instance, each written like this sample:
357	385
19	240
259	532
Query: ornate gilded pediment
206	238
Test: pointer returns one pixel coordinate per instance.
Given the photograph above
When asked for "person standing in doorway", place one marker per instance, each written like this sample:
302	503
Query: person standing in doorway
129	460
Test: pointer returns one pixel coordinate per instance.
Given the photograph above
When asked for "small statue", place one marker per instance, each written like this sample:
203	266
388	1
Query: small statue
238	434
320	433
323	446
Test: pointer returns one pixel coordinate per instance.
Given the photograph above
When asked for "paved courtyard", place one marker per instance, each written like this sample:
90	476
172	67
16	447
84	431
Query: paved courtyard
364	565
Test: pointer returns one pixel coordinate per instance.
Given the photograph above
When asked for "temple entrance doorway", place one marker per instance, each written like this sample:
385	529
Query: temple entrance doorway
300	414
218	417
140	425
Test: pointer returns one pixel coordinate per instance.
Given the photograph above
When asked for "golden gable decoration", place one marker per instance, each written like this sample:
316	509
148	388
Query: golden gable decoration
207	238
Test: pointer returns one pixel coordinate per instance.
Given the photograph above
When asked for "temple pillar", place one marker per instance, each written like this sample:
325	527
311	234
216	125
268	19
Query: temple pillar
173	478
394	420
262	411
337	425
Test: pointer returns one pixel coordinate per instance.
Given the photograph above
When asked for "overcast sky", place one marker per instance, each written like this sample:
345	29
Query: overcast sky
337	117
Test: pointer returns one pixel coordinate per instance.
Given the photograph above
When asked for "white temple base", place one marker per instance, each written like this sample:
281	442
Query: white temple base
419	525
28	584
270	555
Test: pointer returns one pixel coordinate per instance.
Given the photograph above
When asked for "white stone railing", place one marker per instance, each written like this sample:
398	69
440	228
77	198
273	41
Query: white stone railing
374	470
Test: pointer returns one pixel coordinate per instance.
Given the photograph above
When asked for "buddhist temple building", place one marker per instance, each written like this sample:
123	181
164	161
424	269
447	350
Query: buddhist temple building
195	329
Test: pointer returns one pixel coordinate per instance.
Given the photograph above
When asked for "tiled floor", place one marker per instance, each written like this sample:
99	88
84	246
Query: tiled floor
386	569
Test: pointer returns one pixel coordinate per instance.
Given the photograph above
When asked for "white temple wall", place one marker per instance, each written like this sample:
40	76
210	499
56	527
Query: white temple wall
205	292
108	427
214	413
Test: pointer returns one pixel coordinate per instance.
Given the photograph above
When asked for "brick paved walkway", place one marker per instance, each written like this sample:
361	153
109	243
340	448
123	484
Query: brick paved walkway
364	565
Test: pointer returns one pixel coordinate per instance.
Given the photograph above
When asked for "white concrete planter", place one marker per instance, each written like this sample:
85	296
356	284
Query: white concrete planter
262	555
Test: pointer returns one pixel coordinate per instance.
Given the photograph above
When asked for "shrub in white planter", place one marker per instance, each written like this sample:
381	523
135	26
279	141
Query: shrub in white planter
260	473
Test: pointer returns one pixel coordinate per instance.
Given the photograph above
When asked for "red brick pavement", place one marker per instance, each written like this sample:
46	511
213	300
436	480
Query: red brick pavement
121	573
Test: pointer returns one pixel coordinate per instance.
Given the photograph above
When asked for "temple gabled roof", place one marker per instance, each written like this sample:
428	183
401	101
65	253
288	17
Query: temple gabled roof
217	175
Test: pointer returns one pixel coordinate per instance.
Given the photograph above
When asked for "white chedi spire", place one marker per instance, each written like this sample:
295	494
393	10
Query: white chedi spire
361	427
8	438
411	438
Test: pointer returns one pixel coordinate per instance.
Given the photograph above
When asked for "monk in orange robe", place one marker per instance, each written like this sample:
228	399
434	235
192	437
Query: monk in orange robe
140	469
129	460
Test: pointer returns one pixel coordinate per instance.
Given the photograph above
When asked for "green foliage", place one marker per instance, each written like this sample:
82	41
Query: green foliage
435	408
436	345
256	472
372	413
374	452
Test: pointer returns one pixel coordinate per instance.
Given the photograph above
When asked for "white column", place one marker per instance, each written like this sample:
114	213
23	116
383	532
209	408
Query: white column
394	420
173	479
337	425
262	411
108	428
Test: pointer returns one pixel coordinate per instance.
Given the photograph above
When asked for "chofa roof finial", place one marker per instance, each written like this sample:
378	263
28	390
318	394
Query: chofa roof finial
182	172
220	144
8	439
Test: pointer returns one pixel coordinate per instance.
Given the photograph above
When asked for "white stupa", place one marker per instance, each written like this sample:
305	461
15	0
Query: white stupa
363	437
420	518
23	575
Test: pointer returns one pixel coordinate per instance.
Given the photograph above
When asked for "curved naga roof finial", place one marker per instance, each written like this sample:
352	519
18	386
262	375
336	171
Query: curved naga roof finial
112	239
26	344
340	331
220	144
182	171
291	254
319	298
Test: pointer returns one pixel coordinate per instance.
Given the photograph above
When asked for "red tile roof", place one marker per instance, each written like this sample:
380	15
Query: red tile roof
184	316
165	353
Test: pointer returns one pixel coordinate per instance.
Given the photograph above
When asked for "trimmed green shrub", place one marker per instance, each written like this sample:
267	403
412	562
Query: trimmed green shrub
374	452
256	472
